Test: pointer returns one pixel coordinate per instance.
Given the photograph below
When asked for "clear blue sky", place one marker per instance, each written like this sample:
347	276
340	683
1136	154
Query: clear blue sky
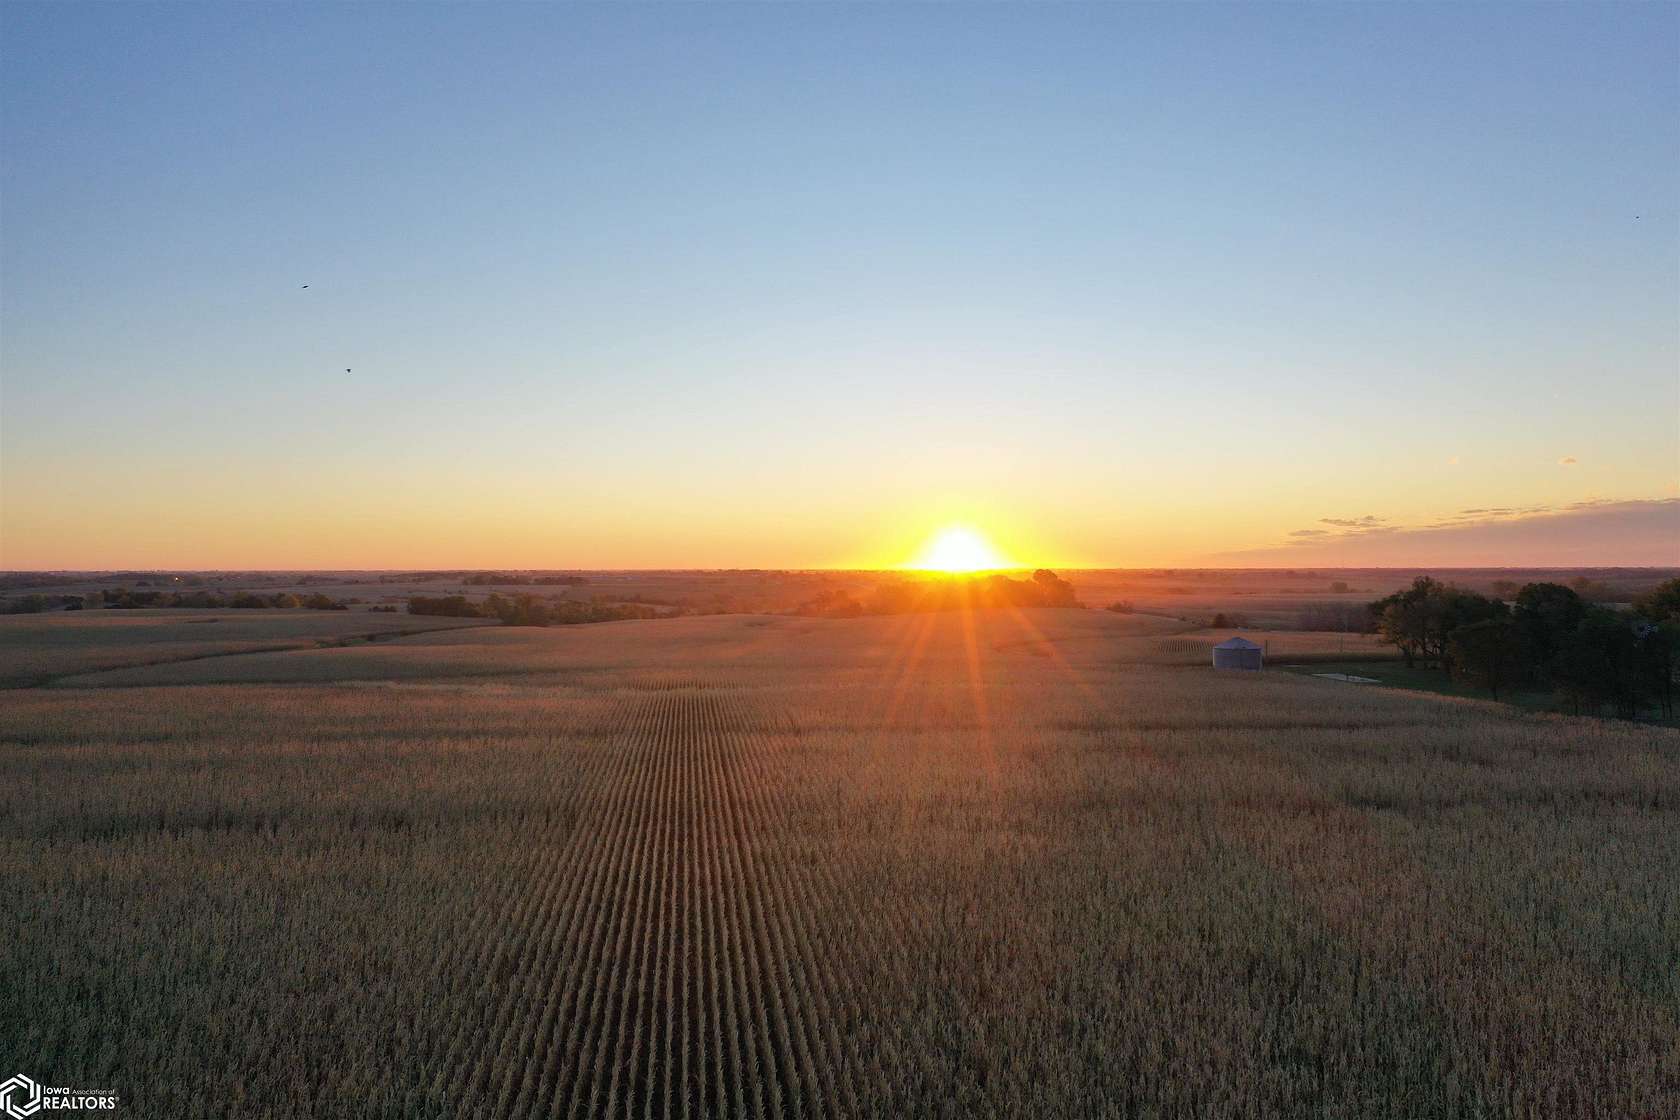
674	285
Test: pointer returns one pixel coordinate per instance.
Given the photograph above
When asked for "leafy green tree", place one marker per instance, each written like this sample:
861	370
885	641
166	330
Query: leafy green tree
1419	619
1547	615
1599	664
1402	618
1452	609
1487	653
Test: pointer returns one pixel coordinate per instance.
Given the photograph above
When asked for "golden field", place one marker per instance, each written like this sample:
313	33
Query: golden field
1011	863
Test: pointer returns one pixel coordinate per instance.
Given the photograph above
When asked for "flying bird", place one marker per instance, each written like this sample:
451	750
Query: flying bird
306	285
347	370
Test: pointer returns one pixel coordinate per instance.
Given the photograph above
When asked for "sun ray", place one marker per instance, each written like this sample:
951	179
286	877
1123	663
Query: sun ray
977	690
1057	657
912	644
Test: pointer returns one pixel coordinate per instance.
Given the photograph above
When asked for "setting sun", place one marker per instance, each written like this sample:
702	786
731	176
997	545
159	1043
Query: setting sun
958	548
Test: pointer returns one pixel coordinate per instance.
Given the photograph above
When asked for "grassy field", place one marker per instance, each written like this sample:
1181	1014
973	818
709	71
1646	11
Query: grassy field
1393	673
1036	863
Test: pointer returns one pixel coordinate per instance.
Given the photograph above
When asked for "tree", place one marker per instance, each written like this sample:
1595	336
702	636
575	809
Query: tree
1452	609
1662	603
1419	618
521	610
1402	618
1054	591
450	606
26	604
1600	664
1547	615
1659	659
1596	591
1486	653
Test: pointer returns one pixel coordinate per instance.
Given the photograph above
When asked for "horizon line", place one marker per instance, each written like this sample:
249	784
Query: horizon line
899	570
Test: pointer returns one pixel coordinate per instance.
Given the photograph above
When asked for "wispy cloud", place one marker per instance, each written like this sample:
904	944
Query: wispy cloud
1596	531
1343	527
1493	513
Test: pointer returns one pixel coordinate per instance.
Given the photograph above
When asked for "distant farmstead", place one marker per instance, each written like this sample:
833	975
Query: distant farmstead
1238	653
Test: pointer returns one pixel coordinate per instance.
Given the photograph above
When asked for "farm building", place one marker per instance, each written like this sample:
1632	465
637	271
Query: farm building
1238	653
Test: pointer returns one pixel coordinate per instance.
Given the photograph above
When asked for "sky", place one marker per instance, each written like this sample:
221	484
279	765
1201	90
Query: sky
757	285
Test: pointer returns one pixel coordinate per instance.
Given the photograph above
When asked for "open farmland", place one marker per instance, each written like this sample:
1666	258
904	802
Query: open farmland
1005	863
36	648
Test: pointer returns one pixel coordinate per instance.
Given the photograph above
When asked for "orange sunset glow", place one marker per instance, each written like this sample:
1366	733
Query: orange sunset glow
736	561
959	549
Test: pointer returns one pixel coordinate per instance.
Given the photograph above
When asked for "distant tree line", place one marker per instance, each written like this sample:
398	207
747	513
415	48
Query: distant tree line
484	578
34	604
531	610
1549	638
14	581
914	596
122	598
1347	617
487	579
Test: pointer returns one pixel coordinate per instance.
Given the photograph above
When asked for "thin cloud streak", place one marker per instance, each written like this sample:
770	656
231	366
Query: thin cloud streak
1593	532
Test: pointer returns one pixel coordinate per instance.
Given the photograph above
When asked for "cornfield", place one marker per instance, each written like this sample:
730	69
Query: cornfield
943	865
